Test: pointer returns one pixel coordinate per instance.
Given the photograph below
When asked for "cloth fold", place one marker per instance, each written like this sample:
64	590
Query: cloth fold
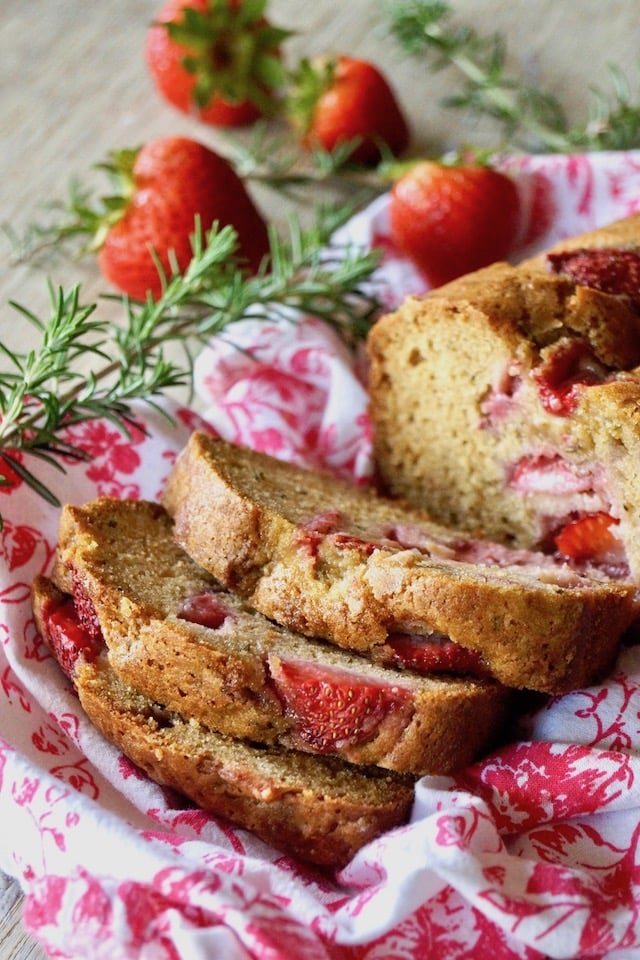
530	853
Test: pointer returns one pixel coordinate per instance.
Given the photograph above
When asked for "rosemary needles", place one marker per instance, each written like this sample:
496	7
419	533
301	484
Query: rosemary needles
46	390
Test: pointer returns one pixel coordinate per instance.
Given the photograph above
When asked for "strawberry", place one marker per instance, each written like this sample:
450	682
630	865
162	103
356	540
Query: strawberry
342	100
216	59
612	271
86	611
66	636
590	538
449	220
166	185
435	654
333	707
207	609
568	366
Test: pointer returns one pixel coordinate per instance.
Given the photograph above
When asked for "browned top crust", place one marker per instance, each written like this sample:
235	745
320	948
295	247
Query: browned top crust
526	303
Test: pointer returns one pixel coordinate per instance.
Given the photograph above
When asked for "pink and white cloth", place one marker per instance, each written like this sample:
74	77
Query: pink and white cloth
531	853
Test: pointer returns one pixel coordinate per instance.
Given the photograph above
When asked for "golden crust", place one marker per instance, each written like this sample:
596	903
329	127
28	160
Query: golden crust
623	233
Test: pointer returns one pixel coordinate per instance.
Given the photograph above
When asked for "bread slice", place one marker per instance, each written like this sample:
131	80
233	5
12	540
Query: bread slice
176	635
334	560
318	809
508	401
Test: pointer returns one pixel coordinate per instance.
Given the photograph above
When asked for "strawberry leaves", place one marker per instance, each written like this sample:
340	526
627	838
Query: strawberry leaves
217	58
338	101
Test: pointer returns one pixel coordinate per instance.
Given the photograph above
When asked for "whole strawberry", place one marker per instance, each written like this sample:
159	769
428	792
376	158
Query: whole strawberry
169	182
218	60
450	220
334	101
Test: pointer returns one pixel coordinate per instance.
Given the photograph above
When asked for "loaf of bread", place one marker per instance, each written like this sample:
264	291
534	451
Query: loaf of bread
176	635
509	401
318	809
333	560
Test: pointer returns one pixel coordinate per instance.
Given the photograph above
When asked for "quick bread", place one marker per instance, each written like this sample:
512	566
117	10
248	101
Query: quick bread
509	401
332	560
175	634
317	809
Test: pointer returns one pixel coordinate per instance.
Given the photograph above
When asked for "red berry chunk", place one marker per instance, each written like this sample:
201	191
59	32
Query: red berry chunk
549	473
325	526
313	532
333	707
66	636
589	538
85	611
207	609
558	378
607	269
434	654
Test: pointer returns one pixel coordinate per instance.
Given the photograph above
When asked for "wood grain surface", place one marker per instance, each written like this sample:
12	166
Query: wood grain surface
73	86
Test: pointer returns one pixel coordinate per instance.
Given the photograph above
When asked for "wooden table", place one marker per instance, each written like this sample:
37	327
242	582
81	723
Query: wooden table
74	86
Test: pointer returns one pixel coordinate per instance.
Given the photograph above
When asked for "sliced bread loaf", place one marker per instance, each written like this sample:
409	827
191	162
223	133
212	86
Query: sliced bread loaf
509	401
333	560
176	635
317	809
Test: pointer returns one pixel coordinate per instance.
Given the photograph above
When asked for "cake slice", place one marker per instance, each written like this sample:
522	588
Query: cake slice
318	809
509	401
333	560
176	635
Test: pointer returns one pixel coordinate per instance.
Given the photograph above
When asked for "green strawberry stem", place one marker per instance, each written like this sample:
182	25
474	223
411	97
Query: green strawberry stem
306	84
232	52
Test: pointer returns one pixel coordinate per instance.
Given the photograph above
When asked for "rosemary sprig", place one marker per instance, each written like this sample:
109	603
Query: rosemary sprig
530	119
276	160
43	391
304	276
79	223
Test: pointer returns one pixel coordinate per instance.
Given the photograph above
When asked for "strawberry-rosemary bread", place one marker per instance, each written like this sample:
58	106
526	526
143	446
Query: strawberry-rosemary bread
509	401
333	560
318	809
176	635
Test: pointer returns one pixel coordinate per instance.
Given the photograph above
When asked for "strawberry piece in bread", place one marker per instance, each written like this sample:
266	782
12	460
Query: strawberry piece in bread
589	537
333	707
60	625
610	269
